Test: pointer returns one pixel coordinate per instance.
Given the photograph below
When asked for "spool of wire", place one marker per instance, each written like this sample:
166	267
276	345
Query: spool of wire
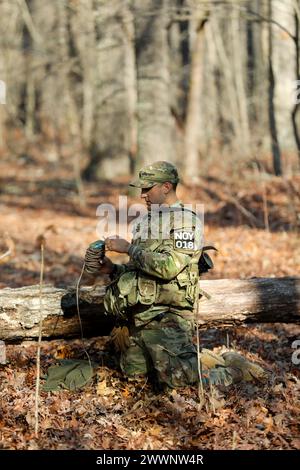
94	254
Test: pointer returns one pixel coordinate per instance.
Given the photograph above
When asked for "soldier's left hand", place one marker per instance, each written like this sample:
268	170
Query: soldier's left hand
115	243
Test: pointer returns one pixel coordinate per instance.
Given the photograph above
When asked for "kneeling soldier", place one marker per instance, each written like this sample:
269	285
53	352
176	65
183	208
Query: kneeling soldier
153	296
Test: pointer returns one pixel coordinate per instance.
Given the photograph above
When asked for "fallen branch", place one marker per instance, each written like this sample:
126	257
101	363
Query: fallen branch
225	197
232	302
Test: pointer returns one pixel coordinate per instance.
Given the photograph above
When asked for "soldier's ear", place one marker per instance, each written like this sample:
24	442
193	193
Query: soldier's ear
167	186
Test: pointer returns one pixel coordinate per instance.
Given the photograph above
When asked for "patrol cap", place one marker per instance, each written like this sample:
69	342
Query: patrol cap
158	172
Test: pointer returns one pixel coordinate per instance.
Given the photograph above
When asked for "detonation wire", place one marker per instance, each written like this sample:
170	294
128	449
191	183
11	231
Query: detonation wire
196	316
78	314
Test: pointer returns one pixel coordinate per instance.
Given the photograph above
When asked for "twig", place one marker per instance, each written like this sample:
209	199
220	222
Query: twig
40	241
234	439
264	196
7	253
265	200
265	205
293	201
78	314
254	222
38	356
252	219
78	181
27	18
196	316
10	247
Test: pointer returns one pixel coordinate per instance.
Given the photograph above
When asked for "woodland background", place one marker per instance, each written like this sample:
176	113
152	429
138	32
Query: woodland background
128	82
95	89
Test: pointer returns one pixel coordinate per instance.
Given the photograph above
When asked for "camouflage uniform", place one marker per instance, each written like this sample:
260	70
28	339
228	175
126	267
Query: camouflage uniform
154	296
155	292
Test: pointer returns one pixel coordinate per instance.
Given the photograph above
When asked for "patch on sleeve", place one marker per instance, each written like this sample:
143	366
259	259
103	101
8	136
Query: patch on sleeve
184	239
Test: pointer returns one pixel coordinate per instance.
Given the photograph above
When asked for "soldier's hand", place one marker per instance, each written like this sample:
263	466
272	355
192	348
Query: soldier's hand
106	265
94	264
115	243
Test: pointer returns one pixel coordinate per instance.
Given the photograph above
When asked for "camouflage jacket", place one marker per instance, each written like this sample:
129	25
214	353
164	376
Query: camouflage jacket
163	266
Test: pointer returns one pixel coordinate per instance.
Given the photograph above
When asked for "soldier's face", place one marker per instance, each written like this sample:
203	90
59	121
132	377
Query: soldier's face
155	195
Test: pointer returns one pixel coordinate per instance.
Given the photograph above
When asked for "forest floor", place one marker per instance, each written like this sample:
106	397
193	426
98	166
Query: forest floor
254	223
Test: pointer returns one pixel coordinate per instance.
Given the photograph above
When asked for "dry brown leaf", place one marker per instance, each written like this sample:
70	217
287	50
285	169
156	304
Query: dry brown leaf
63	352
126	393
295	443
103	389
269	423
155	430
30	419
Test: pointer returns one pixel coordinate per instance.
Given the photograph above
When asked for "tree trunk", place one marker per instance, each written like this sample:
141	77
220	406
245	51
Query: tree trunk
153	82
272	116
108	153
227	100
238	38
232	302
2	111
130	83
257	51
193	117
30	104
296	107
31	41
84	37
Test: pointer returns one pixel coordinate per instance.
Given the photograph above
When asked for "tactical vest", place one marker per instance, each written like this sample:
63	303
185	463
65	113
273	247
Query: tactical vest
135	291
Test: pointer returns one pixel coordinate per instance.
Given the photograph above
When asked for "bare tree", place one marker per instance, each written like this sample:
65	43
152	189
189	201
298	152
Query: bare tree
153	81
295	111
193	115
272	117
110	116
11	62
84	39
130	82
238	41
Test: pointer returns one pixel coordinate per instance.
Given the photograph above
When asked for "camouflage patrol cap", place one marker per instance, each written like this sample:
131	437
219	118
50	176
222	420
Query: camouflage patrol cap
158	172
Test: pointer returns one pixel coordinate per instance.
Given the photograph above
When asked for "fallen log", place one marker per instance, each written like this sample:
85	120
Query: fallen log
232	302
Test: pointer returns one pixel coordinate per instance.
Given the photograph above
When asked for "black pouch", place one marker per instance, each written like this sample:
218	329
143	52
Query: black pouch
205	262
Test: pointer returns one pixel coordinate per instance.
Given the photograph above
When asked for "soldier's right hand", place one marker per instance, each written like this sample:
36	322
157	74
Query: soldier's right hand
94	264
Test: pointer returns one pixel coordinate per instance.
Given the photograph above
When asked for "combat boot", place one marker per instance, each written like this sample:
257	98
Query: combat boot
229	368
250	371
214	370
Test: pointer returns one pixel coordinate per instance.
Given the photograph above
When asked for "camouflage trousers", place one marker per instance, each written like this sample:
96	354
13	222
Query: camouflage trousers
163	349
